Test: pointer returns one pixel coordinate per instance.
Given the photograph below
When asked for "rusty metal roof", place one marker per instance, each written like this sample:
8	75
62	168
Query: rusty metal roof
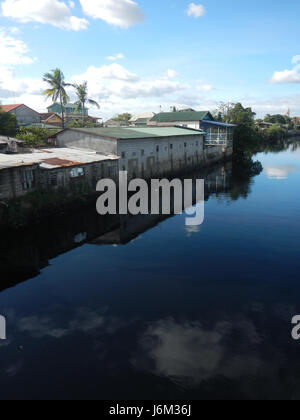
54	158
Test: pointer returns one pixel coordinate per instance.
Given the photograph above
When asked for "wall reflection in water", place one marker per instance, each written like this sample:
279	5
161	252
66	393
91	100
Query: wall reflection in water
24	254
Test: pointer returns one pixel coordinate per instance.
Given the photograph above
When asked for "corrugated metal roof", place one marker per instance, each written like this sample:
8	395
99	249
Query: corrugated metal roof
53	158
9	108
127	133
7	140
145	115
180	116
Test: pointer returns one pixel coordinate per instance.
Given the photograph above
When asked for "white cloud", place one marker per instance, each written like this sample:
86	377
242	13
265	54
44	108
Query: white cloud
122	13
116	57
288	76
112	72
285	76
196	10
296	59
13	51
172	74
53	12
204	88
116	81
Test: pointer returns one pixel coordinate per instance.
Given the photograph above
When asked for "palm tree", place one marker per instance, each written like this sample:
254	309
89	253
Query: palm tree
56	90
82	95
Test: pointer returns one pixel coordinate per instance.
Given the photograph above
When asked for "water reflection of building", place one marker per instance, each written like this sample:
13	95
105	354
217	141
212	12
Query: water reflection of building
24	254
217	180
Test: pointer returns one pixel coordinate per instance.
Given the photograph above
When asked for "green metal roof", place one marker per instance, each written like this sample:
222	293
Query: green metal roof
139	133
181	116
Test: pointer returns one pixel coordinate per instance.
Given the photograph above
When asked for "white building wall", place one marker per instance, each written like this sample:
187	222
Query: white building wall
160	156
188	124
83	140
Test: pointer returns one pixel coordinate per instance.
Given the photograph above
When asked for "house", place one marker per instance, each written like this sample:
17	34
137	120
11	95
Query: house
51	119
217	133
10	145
115	123
71	112
24	115
141	120
146	152
52	169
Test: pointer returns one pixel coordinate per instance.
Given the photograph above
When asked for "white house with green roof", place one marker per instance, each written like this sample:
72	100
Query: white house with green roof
216	133
145	151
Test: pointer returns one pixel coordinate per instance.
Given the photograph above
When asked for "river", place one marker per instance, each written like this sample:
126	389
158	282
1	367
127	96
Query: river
148	308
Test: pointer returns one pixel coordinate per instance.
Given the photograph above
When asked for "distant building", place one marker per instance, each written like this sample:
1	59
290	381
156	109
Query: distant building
10	145
264	125
115	123
52	119
24	115
215	132
141	120
71	113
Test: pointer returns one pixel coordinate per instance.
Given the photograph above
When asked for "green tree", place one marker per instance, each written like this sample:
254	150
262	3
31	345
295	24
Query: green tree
82	95
57	89
246	137
276	119
8	123
125	117
275	133
85	124
34	136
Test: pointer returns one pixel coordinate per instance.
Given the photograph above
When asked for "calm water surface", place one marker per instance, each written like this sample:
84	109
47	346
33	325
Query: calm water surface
156	310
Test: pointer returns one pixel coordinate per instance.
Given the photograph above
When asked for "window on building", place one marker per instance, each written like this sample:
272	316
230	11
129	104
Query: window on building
28	179
123	155
171	146
197	143
143	152
157	149
184	144
76	172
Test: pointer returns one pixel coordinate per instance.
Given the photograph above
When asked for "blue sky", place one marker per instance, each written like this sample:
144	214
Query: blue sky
170	52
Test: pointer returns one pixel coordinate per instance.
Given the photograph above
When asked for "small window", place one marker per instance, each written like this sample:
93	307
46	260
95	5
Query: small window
171	146
28	179
123	155
142	152
76	172
157	149
184	144
197	143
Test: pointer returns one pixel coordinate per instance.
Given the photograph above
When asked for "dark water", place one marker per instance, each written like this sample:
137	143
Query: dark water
146	308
